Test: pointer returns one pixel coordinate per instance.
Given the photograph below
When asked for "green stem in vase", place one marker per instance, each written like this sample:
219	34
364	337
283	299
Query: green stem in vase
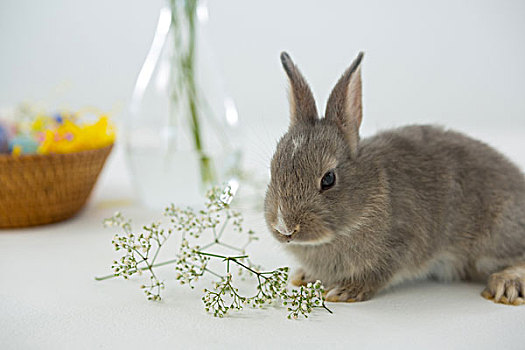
188	82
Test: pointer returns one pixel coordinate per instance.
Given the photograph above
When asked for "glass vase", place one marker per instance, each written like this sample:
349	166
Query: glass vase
181	135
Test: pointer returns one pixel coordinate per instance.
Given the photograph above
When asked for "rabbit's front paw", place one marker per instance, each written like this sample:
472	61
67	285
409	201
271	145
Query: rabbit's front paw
507	286
348	293
300	278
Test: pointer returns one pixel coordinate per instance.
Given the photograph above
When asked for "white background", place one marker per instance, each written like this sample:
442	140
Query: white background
456	63
459	64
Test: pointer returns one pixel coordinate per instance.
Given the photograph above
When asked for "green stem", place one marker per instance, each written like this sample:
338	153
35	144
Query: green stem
223	228
262	274
183	78
189	64
173	79
222	256
141	269
212	272
209	245
159	246
326	308
148	266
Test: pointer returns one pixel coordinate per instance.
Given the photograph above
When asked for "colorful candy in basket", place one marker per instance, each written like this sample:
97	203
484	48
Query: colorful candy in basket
54	181
63	132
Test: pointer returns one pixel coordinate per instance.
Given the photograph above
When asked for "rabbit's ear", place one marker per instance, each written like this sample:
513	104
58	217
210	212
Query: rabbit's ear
302	103
344	105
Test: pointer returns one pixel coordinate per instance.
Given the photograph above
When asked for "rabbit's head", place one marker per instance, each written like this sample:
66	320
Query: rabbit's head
312	171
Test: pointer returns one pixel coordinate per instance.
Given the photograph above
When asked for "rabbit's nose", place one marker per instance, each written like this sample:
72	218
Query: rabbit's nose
280	225
288	236
283	230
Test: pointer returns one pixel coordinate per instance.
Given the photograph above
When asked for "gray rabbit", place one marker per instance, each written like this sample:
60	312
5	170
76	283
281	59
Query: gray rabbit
413	202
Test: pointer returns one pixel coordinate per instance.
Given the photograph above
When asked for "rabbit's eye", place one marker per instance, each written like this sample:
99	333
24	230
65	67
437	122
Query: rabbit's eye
328	180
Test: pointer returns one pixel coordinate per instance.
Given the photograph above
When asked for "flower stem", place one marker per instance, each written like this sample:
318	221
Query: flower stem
326	308
141	269
222	256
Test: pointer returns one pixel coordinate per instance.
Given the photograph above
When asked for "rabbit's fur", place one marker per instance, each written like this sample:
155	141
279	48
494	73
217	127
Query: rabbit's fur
407	203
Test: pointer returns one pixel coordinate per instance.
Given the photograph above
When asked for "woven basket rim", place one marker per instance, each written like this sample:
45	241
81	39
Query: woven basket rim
7	157
39	189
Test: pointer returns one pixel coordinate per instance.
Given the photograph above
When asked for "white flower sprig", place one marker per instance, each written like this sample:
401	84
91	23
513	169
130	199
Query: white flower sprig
141	250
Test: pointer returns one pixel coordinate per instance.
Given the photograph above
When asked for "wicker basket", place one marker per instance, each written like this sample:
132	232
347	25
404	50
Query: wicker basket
41	189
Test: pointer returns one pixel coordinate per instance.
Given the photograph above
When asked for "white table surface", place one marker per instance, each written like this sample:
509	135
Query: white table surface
50	300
